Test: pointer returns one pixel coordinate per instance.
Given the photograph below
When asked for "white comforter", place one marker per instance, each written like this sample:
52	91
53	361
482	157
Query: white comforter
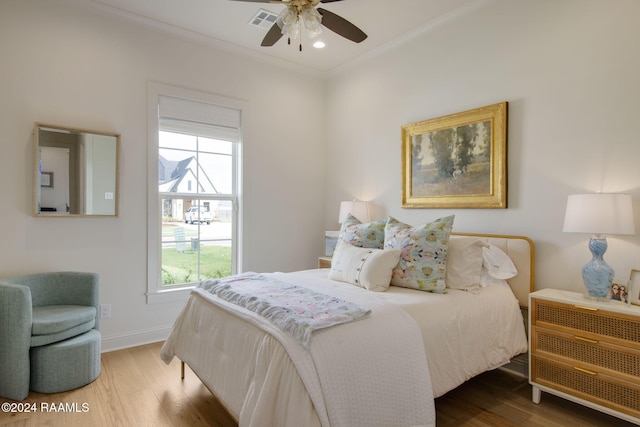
372	372
463	334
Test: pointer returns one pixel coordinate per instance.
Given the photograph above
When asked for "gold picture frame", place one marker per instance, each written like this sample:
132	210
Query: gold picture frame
456	161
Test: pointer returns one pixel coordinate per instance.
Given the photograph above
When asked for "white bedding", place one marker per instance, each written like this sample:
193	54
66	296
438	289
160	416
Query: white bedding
463	333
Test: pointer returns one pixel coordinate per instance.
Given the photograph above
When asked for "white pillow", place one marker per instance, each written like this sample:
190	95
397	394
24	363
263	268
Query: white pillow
368	268
464	261
487	280
496	265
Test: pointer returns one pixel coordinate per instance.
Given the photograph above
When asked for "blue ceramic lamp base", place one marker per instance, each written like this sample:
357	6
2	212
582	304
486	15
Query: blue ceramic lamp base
597	274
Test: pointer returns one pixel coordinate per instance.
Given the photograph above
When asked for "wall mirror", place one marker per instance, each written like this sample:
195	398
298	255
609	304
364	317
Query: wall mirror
75	172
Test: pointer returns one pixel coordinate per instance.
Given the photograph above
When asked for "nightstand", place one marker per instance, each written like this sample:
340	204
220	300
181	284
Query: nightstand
324	262
585	351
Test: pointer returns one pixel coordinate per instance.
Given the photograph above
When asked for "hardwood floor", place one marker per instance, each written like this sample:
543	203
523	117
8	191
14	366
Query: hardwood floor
135	388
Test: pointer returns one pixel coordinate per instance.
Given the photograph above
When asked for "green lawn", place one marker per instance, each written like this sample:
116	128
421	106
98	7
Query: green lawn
182	267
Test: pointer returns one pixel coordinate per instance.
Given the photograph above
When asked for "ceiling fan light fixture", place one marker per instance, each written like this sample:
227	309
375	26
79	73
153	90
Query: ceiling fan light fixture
294	15
312	21
314	33
292	31
288	22
287	17
311	17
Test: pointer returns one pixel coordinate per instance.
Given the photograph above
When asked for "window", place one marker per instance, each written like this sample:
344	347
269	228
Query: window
193	189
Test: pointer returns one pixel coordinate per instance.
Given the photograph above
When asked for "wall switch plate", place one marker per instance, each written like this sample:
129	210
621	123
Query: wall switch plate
105	311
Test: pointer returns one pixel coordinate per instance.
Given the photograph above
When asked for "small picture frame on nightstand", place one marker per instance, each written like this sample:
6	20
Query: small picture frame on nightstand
619	292
633	287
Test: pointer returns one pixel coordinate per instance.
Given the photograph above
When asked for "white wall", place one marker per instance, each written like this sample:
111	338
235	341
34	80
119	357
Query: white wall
63	63
569	70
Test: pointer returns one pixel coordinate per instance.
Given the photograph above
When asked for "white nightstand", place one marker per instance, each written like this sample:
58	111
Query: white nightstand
585	351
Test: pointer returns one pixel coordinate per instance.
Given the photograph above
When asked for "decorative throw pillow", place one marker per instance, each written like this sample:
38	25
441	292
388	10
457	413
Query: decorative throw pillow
423	260
498	263
368	268
367	235
487	280
464	261
497	266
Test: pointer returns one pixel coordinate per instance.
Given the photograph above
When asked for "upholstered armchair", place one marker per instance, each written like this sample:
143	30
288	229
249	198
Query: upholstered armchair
49	338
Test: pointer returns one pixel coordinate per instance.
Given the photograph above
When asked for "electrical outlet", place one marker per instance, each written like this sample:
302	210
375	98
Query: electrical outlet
105	311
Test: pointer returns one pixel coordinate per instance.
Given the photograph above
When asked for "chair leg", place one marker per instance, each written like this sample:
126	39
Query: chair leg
181	370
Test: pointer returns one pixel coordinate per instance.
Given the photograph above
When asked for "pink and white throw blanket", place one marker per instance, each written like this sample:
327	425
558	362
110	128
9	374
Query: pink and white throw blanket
294	309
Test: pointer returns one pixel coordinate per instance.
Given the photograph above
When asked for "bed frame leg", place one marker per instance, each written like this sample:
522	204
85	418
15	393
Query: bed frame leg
181	370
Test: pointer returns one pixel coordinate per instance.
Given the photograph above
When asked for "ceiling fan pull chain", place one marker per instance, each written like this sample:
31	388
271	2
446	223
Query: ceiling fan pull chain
300	31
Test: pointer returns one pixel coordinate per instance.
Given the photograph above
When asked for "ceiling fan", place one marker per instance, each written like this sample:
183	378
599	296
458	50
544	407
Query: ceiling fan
299	13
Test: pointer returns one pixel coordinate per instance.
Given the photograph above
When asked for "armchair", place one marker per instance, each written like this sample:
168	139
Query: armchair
49	338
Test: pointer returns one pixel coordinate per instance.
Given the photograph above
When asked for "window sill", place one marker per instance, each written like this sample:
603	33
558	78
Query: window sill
169	295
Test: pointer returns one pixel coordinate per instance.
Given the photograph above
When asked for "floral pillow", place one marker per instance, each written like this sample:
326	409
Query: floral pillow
423	257
368	235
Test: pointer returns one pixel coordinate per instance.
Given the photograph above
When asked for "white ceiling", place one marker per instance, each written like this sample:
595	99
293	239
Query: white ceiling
226	22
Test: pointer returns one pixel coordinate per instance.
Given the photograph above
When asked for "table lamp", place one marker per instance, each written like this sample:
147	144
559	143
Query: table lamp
598	214
356	208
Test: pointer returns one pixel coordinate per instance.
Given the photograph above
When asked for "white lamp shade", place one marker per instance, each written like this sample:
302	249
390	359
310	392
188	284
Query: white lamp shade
356	208
600	213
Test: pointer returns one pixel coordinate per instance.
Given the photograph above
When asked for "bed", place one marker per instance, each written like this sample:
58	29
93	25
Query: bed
385	369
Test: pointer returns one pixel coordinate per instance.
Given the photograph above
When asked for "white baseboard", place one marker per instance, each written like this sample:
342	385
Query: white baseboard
134	339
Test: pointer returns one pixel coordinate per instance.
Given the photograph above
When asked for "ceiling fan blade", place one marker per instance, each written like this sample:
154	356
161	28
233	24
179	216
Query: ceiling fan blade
341	26
328	1
273	35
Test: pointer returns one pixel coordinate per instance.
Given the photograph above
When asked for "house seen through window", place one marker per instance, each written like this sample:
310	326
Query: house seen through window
197	191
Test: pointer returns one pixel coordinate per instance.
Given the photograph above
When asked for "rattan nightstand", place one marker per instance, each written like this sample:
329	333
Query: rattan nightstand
585	351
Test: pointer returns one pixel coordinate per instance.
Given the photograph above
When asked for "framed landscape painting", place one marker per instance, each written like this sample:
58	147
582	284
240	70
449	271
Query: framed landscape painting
456	161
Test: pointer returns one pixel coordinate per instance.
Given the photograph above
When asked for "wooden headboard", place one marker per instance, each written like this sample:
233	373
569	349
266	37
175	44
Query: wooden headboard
521	250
